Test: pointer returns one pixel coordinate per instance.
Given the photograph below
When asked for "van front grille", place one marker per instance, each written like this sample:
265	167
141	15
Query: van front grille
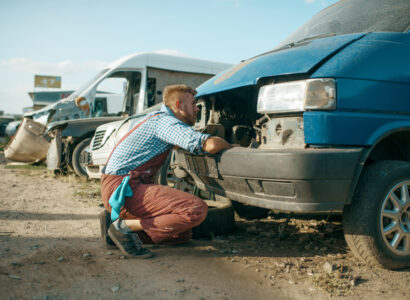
98	138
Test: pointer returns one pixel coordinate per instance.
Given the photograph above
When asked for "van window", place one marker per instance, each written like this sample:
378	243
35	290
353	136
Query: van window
158	79
113	85
117	94
87	84
151	91
100	108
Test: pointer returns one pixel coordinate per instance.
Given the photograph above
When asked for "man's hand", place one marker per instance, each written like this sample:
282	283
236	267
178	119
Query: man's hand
215	144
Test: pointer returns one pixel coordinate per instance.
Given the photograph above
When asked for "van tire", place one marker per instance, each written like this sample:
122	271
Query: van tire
219	220
76	157
372	211
249	212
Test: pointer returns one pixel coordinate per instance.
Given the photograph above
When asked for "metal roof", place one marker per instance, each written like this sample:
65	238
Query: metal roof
169	62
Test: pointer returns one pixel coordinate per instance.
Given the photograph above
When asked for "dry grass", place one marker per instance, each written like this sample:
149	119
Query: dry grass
84	189
335	283
37	169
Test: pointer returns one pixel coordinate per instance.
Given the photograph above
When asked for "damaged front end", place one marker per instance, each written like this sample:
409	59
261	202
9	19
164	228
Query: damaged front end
262	105
274	168
29	144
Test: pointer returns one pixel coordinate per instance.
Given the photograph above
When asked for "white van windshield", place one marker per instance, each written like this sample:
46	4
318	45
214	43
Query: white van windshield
87	84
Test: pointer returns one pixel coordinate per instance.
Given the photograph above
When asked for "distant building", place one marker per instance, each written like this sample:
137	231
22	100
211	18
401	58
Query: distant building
44	98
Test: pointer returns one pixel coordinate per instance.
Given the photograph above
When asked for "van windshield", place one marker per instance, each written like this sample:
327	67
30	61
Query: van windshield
87	84
354	16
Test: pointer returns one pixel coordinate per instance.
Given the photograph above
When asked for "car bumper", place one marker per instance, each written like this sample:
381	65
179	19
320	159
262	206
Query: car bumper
94	171
300	180
97	161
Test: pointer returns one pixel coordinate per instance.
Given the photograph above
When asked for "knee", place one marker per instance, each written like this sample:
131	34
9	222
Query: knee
200	211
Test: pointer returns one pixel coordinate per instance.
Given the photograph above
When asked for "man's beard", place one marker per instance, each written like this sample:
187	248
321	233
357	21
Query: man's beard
188	120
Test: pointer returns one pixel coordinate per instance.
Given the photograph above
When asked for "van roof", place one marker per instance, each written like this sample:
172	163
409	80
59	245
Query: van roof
169	62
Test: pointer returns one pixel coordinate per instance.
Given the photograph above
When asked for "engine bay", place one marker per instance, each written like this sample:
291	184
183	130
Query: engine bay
233	116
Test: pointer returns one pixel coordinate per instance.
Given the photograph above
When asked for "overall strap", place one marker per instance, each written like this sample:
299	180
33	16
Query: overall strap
128	133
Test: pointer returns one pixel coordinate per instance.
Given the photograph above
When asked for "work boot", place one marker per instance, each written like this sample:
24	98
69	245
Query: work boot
129	243
105	222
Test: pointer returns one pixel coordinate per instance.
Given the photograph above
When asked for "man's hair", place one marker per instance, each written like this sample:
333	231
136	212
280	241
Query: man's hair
173	92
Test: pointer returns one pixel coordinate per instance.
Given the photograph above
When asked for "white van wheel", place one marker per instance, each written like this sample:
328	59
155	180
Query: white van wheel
78	158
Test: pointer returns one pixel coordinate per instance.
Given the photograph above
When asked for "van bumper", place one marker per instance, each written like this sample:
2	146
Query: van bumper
299	180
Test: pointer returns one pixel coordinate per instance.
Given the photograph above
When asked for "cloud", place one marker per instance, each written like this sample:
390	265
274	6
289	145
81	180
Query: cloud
15	97
309	1
66	67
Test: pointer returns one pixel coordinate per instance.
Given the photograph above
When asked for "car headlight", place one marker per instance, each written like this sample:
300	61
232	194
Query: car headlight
301	95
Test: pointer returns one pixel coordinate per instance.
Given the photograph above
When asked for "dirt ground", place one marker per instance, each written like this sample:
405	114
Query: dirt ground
50	248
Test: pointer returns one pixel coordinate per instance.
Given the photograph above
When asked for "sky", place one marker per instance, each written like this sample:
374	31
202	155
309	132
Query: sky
75	39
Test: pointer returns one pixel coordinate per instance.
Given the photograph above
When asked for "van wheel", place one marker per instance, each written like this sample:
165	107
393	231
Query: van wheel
219	220
79	158
249	212
377	222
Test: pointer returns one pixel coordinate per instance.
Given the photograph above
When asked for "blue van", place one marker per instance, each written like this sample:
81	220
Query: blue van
324	121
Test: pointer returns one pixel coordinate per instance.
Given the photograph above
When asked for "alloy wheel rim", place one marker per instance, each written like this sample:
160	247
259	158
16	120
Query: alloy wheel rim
395	219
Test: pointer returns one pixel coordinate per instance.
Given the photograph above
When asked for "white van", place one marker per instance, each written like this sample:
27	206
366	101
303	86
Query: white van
142	77
140	80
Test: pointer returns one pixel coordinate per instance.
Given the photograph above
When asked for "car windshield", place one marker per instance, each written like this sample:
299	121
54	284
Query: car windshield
87	84
354	16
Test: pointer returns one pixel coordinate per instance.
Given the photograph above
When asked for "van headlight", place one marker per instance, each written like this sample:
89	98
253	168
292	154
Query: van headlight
301	95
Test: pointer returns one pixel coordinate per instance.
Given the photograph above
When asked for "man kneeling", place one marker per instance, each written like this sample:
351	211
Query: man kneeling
143	211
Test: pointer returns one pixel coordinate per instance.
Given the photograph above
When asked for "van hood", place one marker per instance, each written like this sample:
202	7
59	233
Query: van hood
48	107
296	58
80	127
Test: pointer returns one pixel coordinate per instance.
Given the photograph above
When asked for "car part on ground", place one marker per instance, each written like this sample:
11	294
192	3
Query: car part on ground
12	127
28	145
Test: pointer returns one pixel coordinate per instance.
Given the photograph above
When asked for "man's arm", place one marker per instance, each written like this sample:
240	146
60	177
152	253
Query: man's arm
175	132
215	144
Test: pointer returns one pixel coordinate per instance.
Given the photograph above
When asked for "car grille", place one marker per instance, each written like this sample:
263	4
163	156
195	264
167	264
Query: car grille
98	138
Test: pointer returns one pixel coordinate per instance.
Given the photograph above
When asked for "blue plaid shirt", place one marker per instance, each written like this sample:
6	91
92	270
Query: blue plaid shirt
155	136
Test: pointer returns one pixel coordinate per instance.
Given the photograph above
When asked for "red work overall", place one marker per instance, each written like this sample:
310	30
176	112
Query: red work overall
166	214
